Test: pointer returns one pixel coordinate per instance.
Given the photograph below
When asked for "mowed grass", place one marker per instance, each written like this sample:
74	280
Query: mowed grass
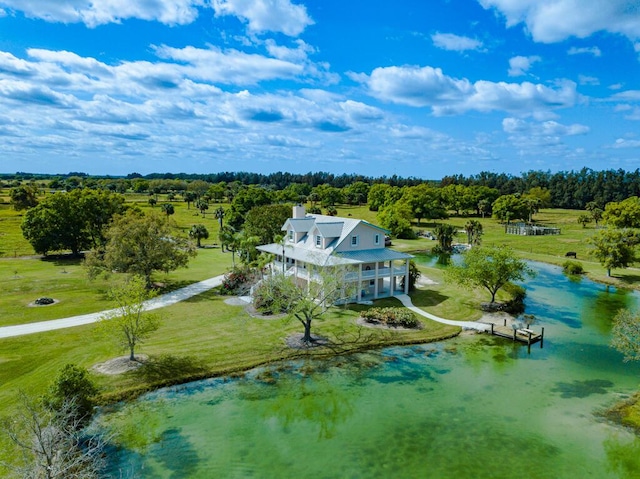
204	336
22	281
200	337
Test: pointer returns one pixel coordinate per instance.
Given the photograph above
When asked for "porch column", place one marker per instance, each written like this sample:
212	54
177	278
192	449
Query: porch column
375	284
359	283
392	279
406	277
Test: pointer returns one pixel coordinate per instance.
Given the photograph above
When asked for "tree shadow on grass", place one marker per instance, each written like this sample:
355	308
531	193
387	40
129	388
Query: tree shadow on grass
167	367
205	296
64	259
628	278
423	299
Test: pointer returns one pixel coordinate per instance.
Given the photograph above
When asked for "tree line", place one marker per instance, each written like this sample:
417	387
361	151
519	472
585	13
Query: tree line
568	189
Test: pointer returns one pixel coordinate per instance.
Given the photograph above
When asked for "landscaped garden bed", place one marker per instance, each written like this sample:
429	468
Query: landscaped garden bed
392	317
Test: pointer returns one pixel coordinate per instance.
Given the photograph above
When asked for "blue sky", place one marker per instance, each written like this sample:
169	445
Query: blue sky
412	88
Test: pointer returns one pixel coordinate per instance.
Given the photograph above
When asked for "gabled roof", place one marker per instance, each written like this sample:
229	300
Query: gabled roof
330	230
298	225
336	229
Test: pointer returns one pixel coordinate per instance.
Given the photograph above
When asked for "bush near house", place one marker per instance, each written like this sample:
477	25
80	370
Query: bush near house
238	281
394	317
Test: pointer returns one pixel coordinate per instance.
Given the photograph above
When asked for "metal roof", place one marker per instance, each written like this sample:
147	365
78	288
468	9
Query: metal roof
330	230
324	258
371	255
299	225
318	257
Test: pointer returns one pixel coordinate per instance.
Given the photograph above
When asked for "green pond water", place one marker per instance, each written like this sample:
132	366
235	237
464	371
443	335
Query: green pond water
472	407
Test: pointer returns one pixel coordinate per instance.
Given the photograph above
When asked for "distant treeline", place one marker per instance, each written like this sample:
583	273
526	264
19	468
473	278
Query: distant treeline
568	189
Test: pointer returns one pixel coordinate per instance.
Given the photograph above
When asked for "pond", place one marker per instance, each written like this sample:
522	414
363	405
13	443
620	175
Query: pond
474	406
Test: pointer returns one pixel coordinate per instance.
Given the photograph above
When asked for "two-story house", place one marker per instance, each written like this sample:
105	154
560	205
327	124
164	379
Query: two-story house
317	241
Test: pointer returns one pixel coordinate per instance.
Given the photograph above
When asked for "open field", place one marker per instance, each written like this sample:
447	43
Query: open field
204	336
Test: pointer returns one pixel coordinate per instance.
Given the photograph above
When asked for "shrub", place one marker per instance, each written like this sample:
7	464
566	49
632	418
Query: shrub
572	267
74	387
391	317
238	280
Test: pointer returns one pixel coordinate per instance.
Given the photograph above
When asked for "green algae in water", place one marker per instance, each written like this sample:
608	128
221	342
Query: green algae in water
464	408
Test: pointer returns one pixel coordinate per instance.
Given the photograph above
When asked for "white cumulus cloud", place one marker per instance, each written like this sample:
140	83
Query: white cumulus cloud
546	128
430	87
550	21
94	13
520	65
595	51
450	41
623	143
267	15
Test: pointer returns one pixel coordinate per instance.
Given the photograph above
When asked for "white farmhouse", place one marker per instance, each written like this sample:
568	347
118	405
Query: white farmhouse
314	241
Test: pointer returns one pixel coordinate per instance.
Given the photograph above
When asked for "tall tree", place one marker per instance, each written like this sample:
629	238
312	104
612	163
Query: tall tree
167	209
265	222
623	214
70	221
219	214
445	234
140	244
474	232
202	205
189	197
305	303
24	197
397	219
226	237
510	207
615	248
490	268
198	232
129	324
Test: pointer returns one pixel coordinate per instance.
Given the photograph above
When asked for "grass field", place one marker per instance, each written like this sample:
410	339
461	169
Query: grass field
204	336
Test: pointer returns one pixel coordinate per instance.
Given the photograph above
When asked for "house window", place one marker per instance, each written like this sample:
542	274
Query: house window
376	240
290	235
318	241
354	240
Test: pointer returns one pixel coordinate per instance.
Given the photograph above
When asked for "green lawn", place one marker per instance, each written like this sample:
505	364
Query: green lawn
200	337
204	336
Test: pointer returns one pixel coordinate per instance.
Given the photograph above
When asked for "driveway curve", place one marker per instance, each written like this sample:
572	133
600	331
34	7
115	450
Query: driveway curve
186	293
406	302
155	303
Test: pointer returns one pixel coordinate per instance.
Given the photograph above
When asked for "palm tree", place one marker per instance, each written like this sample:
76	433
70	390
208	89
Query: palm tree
189	197
219	215
168	209
199	232
226	236
474	232
445	233
202	205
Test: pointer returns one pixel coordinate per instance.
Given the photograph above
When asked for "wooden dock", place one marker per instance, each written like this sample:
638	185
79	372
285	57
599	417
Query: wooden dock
523	335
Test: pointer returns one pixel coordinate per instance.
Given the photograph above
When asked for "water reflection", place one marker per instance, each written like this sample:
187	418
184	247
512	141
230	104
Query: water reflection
304	397
475	406
600	308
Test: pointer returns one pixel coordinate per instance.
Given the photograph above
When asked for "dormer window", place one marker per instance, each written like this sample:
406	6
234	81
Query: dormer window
318	241
355	240
290	235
